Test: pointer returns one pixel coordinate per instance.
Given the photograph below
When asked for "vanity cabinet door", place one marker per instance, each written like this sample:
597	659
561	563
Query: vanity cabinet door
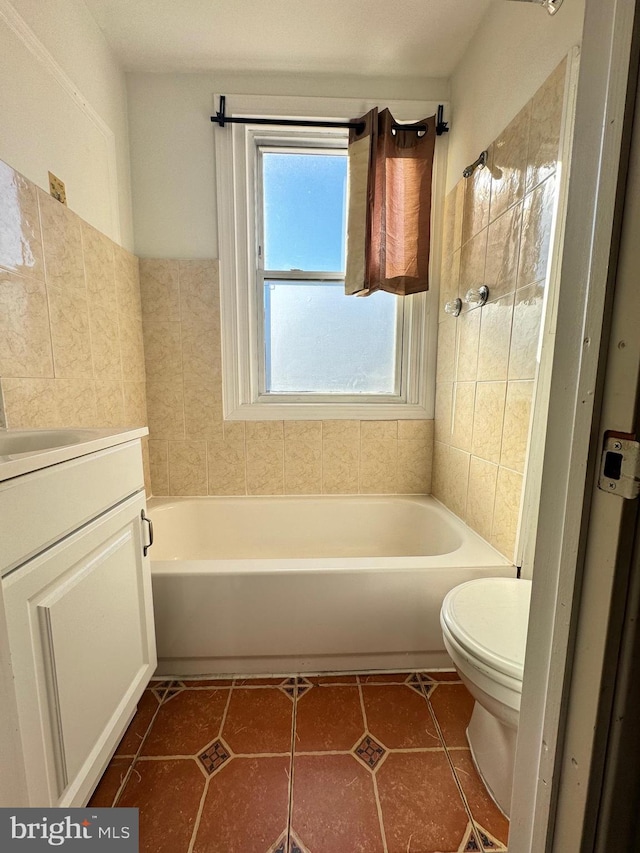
82	643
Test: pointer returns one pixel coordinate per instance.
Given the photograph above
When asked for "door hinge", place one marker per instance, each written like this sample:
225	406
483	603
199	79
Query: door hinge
620	465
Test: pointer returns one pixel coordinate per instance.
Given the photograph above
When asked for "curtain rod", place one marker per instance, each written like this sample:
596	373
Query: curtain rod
221	119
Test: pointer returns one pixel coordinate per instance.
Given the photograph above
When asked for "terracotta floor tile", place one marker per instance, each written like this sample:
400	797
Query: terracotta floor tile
332	679
329	718
132	738
105	793
259	721
385	678
452	704
168	795
443	675
246	807
186	723
399	717
484	810
334	809
421	806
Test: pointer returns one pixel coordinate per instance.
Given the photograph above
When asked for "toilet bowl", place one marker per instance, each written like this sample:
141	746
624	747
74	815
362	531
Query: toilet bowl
484	627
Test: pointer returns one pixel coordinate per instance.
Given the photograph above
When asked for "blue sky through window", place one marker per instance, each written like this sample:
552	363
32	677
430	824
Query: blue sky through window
304	211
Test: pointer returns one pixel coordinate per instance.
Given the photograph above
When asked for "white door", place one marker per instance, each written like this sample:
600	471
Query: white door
81	637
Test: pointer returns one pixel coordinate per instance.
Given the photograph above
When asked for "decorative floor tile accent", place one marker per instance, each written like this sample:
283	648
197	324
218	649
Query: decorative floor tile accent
303	686
296	687
160	685
370	752
421	683
295	846
289	687
172	692
415	683
293	765
214	757
489	843
469	842
428	684
159	688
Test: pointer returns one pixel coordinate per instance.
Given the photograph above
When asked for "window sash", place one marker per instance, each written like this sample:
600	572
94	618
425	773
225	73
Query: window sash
336	146
263	275
399	393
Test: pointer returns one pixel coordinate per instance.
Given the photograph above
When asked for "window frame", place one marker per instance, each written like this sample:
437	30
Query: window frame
239	228
301	143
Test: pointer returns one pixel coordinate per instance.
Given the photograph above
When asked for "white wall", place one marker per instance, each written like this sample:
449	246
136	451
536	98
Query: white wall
172	148
512	53
63	108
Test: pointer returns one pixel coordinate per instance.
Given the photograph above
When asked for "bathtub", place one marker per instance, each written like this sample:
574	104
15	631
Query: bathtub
307	584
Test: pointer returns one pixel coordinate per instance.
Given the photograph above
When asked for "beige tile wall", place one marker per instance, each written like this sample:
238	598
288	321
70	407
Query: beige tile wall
71	350
194	452
496	232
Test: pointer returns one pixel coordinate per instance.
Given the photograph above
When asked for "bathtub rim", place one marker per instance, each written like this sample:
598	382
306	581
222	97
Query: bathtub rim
474	551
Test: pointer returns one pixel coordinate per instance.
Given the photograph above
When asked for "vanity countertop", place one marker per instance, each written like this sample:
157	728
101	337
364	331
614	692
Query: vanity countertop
26	450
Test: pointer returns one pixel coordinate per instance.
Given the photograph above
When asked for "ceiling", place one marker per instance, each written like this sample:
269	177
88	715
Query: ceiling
416	38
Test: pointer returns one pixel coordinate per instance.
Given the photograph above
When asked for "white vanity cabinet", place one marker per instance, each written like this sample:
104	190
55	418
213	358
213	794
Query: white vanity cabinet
79	615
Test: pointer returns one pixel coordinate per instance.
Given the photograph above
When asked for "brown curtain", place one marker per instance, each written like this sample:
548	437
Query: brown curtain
389	216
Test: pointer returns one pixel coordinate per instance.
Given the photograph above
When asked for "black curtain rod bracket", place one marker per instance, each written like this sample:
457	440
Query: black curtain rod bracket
221	119
442	126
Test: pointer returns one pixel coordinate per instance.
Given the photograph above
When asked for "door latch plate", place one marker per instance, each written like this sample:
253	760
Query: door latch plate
620	466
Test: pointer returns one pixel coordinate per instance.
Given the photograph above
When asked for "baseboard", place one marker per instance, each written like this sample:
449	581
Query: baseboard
398	662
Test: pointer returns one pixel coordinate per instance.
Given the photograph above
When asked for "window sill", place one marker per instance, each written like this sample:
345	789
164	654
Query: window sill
327	412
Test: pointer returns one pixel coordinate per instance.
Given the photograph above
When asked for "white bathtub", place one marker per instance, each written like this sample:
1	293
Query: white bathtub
307	584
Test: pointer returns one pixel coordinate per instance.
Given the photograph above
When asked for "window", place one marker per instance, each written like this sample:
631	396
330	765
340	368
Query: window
316	339
293	344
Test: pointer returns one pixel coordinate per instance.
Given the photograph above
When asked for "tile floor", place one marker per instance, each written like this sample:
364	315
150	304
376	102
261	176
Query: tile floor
331	764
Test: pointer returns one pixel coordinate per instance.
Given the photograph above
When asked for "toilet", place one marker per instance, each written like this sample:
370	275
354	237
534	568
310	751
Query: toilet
484	627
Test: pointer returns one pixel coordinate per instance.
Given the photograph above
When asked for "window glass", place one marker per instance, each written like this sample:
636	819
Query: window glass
304	211
317	340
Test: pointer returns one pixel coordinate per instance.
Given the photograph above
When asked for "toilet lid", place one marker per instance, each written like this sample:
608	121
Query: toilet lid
489	618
